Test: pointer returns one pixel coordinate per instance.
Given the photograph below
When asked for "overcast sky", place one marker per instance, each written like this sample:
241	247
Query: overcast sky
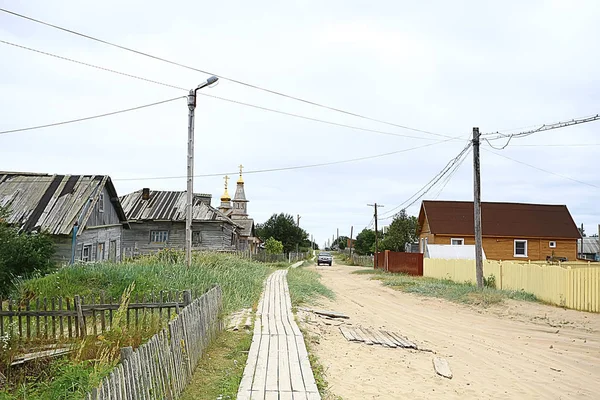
438	66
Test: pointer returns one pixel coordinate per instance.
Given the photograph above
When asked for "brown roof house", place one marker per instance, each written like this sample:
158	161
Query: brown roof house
511	231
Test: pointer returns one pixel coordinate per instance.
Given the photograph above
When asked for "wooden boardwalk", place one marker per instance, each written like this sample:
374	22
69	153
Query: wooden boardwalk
278	366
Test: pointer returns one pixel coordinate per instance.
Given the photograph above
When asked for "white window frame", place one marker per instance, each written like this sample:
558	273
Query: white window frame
462	241
159	236
515	248
101	203
552	244
87	247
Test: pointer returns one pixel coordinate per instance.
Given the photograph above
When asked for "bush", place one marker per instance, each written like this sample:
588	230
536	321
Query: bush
22	254
490	282
273	246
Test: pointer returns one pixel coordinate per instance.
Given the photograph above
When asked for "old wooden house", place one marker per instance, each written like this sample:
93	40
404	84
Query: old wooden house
66	206
511	231
157	221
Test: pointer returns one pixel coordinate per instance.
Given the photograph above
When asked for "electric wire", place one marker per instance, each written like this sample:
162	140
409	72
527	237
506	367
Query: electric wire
91	117
141	53
105	69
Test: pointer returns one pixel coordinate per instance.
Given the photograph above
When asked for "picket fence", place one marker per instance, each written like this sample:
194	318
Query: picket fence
162	367
576	288
52	319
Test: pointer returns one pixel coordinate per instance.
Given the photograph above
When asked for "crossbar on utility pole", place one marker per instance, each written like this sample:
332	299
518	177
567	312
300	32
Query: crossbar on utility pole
375	207
477	210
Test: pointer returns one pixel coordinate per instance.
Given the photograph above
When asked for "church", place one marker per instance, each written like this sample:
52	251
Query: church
237	211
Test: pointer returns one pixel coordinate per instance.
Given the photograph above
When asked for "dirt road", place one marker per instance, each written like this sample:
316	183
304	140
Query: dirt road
517	350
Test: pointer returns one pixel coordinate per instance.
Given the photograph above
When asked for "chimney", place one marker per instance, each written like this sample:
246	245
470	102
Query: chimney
146	194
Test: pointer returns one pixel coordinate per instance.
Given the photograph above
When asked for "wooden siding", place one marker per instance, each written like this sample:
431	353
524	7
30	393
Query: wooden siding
108	217
93	238
497	248
215	236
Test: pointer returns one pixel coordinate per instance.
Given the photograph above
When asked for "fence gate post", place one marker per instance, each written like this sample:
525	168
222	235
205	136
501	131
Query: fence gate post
187	297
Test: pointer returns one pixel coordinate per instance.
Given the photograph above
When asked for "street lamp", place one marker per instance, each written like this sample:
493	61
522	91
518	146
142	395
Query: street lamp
190	168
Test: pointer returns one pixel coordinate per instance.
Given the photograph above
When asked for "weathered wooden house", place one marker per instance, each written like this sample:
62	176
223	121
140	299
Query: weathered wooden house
84	206
157	221
510	231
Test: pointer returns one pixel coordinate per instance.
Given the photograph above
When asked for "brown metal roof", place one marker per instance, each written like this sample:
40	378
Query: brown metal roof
499	219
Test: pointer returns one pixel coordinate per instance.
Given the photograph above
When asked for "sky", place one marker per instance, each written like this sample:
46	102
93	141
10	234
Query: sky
437	66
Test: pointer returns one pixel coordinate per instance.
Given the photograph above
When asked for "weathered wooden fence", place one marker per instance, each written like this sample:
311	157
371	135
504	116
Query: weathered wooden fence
162	367
365	261
63	317
577	288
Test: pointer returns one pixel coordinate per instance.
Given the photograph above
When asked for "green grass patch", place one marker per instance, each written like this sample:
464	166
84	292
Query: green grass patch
305	285
456	292
240	279
220	370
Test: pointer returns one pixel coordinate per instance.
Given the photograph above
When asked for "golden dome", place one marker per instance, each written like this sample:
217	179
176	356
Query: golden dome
226	196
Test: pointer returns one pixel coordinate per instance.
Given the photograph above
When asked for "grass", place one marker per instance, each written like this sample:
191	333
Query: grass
456	292
220	370
240	279
305	285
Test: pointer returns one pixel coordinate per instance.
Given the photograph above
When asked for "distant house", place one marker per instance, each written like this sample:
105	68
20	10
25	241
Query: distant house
238	212
589	248
55	204
157	221
511	231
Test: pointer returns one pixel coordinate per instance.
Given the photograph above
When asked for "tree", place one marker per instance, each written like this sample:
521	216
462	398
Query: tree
341	242
273	246
21	254
282	227
365	242
402	230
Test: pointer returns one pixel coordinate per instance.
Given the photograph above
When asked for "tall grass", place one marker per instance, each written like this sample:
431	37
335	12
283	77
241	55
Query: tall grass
305	286
240	279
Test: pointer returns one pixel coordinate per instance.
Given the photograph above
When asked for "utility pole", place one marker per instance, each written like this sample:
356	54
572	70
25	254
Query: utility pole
298	219
190	168
477	210
351	233
375	207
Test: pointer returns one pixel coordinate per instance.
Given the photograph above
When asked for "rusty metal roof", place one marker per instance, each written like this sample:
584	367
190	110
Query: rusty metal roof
169	206
52	203
500	219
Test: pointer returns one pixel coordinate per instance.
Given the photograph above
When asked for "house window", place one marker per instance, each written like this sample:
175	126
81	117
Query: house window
159	236
520	248
100	253
457	241
196	237
85	253
101	203
552	244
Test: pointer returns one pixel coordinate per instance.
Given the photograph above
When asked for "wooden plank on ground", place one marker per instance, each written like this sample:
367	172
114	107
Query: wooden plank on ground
442	367
249	370
273	364
313	396
295	371
307	374
258	395
347	334
285	396
285	384
405	342
366	336
357	335
260	374
300	395
392	339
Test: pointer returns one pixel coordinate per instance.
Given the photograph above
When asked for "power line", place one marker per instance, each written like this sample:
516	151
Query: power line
429	185
105	69
261	171
91	117
220	76
543	170
448	177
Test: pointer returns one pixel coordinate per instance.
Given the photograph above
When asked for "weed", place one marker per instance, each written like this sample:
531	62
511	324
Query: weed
305	285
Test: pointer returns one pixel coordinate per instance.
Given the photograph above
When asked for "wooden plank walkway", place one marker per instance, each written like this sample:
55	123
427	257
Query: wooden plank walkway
278	366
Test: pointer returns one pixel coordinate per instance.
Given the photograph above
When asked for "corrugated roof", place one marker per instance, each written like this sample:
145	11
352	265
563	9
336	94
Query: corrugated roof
52	203
591	245
169	206
500	219
450	252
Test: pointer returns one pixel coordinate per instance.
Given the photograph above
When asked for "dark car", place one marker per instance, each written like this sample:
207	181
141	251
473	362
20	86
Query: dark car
324	258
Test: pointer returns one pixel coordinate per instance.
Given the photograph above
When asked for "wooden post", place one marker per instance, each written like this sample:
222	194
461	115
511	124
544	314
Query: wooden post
82	327
126	353
351	233
477	210
187	298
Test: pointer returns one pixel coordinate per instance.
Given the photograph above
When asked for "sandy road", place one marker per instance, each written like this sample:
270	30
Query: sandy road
517	350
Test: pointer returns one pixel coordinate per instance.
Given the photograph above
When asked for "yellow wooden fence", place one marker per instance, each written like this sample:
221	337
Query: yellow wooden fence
576	288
